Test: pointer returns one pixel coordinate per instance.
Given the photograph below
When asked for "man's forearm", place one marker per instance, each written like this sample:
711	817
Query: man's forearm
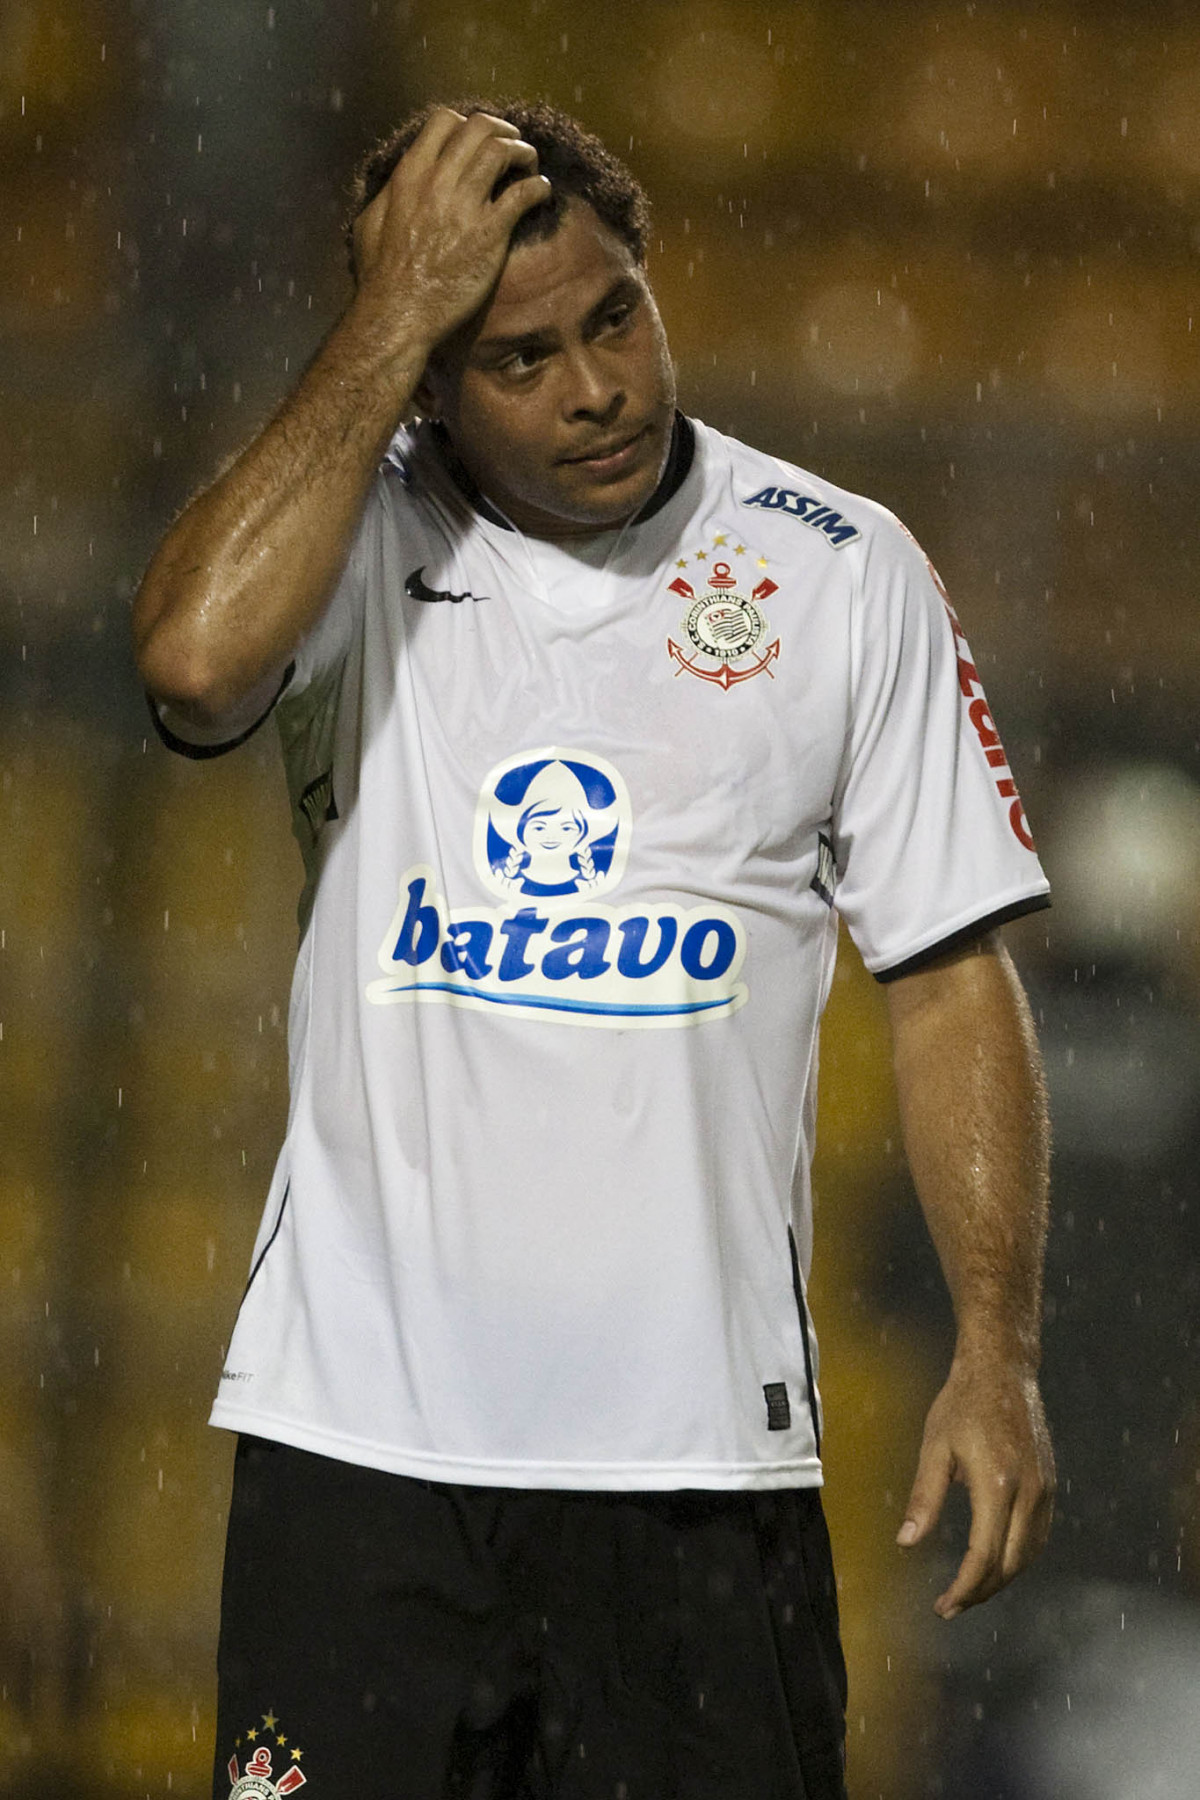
248	566
973	1109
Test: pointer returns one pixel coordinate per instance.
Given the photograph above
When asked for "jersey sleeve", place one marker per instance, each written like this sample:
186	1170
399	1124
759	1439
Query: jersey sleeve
931	841
322	649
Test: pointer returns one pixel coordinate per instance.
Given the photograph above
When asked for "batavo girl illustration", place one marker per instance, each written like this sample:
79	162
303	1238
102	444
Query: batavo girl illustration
551	828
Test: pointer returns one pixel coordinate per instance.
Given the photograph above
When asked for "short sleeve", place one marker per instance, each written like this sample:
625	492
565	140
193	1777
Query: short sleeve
318	653
324	647
931	841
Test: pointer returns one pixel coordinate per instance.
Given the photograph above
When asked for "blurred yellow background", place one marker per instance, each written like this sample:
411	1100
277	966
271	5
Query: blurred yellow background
945	254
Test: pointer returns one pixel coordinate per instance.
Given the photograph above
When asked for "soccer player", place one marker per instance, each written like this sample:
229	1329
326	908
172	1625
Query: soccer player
595	721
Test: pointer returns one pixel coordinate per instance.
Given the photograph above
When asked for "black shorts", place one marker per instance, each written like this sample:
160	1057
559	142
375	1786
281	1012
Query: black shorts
395	1639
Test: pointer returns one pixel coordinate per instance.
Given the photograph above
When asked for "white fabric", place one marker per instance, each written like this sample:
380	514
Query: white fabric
554	1021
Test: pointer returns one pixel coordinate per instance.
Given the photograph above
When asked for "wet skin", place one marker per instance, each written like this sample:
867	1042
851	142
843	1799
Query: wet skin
559	395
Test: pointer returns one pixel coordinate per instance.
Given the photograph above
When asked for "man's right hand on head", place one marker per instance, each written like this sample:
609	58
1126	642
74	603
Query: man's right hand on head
249	566
431	245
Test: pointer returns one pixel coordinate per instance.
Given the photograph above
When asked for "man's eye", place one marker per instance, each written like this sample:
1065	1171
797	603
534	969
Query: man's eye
620	315
522	362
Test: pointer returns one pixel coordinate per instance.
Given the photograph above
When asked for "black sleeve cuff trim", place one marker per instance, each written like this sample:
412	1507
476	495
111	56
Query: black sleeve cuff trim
977	928
203	752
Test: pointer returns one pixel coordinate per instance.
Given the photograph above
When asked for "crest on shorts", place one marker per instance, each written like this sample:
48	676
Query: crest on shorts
724	626
269	1769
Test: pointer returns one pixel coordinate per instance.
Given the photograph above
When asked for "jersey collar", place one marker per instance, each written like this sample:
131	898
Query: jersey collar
678	466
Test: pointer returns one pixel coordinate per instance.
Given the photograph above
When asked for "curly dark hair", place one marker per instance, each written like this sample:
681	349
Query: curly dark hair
577	164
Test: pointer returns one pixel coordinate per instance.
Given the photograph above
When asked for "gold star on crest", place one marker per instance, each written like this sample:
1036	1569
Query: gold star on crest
681	563
296	1755
739	549
762	562
252	1734
279	1738
718	541
701	556
269	1720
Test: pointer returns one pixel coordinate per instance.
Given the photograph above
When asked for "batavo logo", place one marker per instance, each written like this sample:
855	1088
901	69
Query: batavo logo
552	833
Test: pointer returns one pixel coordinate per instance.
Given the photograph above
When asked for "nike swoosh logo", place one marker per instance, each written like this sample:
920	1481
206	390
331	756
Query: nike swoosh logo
415	588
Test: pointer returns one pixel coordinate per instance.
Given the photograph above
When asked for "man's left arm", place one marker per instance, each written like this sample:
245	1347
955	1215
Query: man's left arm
973	1109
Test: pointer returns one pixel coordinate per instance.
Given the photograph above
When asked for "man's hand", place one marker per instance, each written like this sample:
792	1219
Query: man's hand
431	245
987	1430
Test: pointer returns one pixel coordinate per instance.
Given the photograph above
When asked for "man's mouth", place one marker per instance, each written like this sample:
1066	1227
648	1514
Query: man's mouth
610	457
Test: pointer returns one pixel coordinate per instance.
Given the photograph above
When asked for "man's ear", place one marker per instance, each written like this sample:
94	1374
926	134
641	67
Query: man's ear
428	392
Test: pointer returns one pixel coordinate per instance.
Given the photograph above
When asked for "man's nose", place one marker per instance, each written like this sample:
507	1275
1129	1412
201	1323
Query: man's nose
594	391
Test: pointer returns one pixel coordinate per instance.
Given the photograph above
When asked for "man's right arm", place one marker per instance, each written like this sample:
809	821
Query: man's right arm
248	567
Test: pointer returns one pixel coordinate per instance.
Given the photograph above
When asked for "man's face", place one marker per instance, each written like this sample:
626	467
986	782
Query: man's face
559	396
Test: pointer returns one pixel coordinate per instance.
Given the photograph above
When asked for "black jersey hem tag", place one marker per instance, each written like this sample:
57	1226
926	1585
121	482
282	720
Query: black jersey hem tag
779	1411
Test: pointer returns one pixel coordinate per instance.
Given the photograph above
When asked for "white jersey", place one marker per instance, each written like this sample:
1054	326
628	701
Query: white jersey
576	819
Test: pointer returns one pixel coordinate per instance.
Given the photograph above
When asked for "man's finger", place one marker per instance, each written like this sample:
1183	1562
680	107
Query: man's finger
1028	1529
980	1574
521	196
462	146
367	229
422	153
934	1469
493	160
977	1579
432	138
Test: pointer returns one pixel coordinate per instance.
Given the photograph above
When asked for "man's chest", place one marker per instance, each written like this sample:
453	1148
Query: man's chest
595	794
714	676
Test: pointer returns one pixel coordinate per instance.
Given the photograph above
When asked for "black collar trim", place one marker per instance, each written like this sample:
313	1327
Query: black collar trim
680	458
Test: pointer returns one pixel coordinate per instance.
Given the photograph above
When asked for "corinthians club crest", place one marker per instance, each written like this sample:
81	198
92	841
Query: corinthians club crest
258	1780
725	629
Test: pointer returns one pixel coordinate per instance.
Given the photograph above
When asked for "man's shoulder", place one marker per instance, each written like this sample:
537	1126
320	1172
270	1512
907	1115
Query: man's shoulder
774	487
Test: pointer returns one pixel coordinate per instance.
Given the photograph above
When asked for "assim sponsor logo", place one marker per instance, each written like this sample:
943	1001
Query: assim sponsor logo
814	512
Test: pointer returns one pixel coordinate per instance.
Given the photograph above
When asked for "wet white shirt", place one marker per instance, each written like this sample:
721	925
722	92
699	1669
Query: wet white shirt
578	822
